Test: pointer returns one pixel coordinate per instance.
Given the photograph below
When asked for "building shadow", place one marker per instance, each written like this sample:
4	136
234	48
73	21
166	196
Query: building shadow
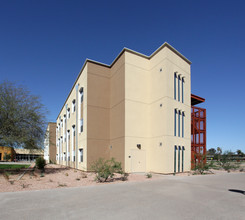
237	191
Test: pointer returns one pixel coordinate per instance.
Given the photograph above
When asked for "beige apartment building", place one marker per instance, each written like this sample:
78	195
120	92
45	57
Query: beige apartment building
137	110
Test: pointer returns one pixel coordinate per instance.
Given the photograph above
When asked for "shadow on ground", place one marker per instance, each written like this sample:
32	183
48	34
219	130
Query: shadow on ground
237	191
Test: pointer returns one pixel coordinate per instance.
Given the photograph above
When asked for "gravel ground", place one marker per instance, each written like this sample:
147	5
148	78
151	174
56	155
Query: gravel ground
57	176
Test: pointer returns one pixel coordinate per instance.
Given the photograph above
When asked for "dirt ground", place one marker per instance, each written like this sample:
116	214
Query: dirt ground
57	176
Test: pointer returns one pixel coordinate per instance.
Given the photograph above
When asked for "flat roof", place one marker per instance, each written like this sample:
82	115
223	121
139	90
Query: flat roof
195	100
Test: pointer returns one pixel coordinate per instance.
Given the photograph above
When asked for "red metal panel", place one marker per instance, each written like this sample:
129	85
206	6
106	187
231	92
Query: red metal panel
198	136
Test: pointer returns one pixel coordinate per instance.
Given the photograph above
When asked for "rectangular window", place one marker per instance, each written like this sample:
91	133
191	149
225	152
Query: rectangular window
73	105
183	123
68	113
175	149
183	89
81	128
175	79
64	156
178	88
81	154
179	159
179	124
183	149
175	122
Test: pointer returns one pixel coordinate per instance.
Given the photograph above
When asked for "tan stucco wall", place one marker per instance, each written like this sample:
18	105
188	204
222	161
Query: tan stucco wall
129	103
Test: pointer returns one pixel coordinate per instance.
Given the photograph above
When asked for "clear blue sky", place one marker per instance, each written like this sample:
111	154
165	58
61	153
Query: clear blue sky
43	45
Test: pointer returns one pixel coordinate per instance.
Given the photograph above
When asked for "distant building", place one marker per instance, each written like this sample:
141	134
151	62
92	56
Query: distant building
28	154
50	143
5	151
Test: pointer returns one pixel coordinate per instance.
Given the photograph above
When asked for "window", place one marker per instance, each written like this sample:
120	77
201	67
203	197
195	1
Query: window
68	154
68	113
81	128
73	105
175	122
175	149
183	125
183	149
81	95
81	154
183	89
179	124
175	88
64	156
179	159
179	88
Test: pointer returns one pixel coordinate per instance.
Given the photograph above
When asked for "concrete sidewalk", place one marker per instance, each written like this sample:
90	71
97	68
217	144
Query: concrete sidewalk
171	197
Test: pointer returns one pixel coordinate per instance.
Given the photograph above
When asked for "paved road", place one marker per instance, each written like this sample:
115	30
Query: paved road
171	197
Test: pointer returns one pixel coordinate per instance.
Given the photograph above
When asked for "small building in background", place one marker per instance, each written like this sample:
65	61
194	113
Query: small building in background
28	154
50	143
4	151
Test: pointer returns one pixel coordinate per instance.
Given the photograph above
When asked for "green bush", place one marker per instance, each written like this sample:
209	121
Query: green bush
105	169
40	163
148	175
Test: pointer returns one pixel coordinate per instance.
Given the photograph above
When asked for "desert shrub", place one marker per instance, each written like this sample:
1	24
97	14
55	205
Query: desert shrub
42	175
125	176
148	175
40	163
105	169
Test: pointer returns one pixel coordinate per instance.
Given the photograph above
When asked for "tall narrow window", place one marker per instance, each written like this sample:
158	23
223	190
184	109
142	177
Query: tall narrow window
73	105
183	149
179	88
175	149
179	124
175	88
68	113
81	154
183	123
183	89
81	125
68	145
80	115
175	122
179	159
64	127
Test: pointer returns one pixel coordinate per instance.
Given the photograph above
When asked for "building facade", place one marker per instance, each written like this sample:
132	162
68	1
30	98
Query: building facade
137	110
4	151
50	143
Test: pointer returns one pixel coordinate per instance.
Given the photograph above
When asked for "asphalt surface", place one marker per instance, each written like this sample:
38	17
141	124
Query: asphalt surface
170	197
